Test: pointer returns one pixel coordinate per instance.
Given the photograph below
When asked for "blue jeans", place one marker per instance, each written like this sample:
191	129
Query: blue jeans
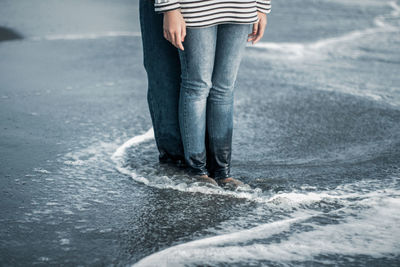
161	62
209	66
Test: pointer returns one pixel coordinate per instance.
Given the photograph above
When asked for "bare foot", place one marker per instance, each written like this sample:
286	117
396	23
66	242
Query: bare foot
230	181
205	178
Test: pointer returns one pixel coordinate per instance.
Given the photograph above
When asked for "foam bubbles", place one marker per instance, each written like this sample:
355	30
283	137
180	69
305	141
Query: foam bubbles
372	231
150	175
383	23
86	36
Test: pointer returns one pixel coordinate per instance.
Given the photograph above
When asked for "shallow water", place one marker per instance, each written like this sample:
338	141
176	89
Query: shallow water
317	140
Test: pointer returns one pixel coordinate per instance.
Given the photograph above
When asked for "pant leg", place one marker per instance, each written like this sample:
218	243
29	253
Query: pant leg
231	43
197	61
161	61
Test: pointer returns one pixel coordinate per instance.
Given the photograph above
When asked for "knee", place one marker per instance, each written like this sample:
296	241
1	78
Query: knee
196	88
222	92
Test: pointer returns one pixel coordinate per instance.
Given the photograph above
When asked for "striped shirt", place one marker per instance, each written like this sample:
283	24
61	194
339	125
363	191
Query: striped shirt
202	13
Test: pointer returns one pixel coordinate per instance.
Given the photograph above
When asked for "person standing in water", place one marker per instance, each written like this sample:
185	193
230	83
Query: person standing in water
161	62
210	36
162	65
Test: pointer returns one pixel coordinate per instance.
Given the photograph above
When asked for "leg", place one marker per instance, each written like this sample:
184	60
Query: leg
161	61
197	61
231	42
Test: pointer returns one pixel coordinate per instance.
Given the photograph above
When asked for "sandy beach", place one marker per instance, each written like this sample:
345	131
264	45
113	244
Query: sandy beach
316	137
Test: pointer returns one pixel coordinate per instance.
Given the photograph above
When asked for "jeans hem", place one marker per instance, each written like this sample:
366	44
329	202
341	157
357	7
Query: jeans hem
221	175
196	172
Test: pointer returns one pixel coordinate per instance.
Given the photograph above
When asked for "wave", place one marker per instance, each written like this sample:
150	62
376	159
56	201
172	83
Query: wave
299	50
359	218
177	182
184	183
367	226
84	36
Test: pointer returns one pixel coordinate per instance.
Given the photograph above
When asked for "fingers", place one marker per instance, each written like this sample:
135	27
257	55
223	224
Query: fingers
182	36
175	38
255	28
260	33
174	28
178	40
253	34
172	37
260	26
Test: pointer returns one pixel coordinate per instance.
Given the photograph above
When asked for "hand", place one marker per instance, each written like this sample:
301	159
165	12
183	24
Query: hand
258	28
174	28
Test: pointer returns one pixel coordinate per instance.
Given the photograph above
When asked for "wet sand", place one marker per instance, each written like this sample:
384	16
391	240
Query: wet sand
317	137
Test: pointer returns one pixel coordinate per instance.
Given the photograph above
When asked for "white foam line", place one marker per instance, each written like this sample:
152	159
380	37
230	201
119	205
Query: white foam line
228	248
373	232
178	255
120	152
380	20
86	36
118	158
299	49
396	8
283	200
294	48
166	183
346	37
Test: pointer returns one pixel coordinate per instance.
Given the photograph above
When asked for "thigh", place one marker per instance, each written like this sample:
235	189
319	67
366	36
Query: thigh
231	43
197	59
160	57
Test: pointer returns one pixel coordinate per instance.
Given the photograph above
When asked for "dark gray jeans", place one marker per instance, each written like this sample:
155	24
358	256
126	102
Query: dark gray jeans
161	61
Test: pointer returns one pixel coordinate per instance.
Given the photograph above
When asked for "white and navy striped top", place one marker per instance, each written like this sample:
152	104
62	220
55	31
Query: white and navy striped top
202	13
